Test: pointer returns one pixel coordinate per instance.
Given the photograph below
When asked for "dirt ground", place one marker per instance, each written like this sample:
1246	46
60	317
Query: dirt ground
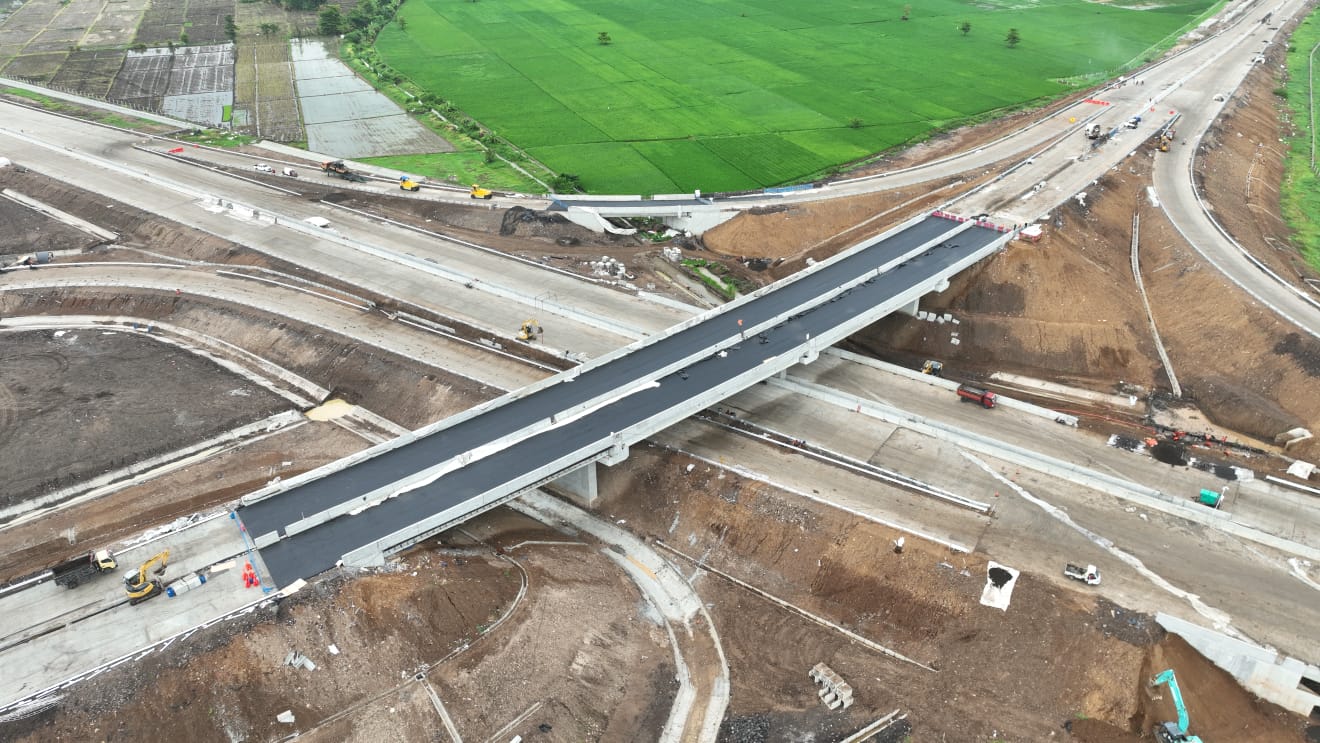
72	405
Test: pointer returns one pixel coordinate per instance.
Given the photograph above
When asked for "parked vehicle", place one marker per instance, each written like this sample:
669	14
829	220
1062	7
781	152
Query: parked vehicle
83	568
986	398
1090	575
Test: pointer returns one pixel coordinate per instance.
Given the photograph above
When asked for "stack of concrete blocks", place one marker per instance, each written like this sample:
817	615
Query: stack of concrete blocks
834	691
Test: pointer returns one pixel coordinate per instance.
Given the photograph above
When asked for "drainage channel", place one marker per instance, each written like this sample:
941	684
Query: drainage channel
730	421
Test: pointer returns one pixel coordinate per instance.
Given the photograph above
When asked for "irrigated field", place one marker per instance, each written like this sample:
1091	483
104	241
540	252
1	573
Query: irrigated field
725	95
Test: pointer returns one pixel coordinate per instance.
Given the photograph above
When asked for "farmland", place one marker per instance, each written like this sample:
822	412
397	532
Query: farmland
730	95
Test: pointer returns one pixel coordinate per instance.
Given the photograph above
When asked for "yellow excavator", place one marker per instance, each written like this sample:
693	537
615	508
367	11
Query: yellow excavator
144	583
530	331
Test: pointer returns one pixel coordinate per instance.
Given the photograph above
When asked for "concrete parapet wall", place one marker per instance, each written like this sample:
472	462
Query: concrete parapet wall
1261	671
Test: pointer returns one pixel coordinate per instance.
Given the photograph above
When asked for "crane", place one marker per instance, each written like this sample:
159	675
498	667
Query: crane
1173	732
142	584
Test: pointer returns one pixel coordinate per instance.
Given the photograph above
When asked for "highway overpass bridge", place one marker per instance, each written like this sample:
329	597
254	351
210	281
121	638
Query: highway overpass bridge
360	510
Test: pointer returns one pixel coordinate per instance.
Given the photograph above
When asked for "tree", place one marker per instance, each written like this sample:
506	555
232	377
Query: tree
907	12
965	27
231	28
183	38
330	21
603	38
854	123
1013	38
270	29
566	183
403	23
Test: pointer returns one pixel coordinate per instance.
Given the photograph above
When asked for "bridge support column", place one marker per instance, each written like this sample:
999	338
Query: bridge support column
579	485
810	353
911	309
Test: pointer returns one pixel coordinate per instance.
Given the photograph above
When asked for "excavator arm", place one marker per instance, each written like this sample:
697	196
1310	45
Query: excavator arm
1168	677
140	584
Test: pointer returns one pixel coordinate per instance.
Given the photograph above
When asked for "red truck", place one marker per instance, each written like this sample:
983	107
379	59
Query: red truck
976	394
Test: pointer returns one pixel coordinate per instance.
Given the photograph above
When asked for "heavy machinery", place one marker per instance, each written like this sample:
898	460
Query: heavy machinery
987	399
408	184
1166	139
1093	131
72	572
1090	575
144	583
339	169
932	367
478	192
1173	732
530	331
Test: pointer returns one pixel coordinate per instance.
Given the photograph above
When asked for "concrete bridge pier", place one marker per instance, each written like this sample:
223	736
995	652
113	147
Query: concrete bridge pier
810	352
579	485
910	309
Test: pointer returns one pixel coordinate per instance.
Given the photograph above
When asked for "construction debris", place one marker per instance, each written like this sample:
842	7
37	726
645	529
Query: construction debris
834	692
298	660
999	583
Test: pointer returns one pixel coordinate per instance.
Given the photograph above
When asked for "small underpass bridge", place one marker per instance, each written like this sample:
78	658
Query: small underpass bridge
368	506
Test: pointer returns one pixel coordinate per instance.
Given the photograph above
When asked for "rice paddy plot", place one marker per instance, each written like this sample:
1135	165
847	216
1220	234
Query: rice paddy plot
39	68
345	117
202	108
193	83
720	95
89	72
116	24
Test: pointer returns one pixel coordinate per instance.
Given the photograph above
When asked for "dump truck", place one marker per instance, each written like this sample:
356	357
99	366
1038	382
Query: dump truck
968	393
339	169
83	568
1090	575
478	192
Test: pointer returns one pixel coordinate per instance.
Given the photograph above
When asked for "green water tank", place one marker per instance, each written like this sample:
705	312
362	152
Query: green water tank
1210	498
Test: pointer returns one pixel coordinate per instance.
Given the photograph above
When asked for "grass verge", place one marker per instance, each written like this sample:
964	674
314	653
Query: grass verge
1300	194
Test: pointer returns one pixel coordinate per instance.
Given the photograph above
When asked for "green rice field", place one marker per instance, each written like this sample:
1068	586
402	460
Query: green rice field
724	95
1301	187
